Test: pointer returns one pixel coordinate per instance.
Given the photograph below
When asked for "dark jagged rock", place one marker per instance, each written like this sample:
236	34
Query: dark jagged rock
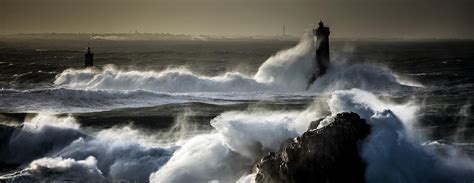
329	154
315	124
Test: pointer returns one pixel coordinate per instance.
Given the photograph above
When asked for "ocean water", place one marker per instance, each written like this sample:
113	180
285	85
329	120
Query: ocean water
200	111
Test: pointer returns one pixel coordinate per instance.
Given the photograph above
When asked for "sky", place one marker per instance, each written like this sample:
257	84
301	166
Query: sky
346	18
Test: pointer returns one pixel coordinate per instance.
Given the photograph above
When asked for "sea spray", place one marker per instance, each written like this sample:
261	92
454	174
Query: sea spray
39	136
68	168
241	137
182	129
287	71
170	80
392	153
290	68
56	144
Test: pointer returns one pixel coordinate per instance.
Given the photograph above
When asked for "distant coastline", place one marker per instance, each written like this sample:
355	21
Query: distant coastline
188	37
141	36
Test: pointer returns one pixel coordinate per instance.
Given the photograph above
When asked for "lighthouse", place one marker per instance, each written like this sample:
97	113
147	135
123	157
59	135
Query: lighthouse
89	58
322	52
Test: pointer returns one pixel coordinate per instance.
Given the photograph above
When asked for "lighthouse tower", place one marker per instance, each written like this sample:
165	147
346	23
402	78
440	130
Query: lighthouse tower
89	58
322	51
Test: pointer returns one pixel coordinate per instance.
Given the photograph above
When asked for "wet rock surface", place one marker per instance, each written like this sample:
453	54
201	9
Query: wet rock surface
328	154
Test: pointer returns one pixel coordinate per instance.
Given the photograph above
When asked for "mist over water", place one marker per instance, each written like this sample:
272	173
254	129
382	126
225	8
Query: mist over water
285	72
54	147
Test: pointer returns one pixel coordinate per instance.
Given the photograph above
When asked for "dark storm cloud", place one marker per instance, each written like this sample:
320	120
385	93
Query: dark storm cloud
347	18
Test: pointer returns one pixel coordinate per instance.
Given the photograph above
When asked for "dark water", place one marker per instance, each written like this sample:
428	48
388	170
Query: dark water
440	73
54	56
443	67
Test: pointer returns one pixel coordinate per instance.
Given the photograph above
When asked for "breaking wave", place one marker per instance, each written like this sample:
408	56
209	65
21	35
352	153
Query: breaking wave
241	138
393	151
284	74
53	148
287	71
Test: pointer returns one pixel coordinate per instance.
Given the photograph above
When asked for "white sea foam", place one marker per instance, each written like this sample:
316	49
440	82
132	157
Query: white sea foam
284	74
170	80
64	151
39	136
59	168
391	152
227	153
238	140
287	71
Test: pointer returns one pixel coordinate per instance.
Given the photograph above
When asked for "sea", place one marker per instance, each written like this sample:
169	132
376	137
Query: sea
208	110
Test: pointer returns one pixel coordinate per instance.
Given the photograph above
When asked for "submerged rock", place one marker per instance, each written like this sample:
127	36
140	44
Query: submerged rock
328	154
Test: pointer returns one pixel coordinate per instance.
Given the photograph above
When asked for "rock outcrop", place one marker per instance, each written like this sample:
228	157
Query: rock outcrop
328	154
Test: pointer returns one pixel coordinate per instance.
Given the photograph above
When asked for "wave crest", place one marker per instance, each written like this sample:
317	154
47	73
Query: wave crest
287	71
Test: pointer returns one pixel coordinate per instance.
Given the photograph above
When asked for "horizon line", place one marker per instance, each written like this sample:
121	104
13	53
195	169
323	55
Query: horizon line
225	36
